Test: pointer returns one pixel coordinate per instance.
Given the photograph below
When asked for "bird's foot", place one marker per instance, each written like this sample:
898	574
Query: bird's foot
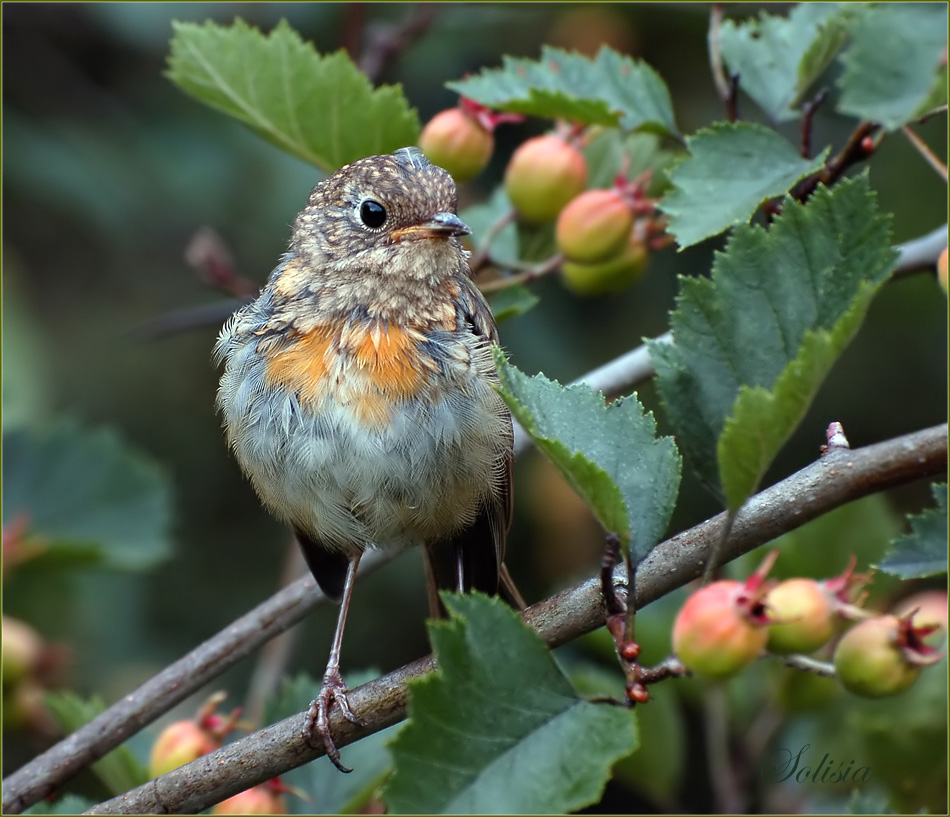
317	722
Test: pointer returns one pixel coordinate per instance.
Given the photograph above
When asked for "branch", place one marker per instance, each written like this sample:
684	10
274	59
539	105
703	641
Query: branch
45	773
841	476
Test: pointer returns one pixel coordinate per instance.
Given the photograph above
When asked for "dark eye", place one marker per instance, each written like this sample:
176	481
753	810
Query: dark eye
372	214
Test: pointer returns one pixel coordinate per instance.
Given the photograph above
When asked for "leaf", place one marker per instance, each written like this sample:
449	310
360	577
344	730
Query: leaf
609	454
894	65
119	770
923	552
731	169
511	302
777	59
320	108
328	791
497	728
754	342
87	495
609	89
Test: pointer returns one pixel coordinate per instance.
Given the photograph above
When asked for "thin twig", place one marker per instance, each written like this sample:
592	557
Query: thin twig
808	664
480	257
839	477
856	149
387	42
529	273
723	85
929	156
808	120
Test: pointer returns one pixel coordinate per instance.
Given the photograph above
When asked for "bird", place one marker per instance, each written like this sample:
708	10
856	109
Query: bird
358	394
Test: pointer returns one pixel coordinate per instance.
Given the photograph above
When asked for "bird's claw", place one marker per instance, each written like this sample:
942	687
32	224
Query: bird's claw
318	715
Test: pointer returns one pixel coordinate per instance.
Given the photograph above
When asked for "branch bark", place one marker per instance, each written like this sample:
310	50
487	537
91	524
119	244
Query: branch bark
839	477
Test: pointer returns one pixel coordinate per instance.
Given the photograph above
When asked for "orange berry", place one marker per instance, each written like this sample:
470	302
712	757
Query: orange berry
719	631
594	226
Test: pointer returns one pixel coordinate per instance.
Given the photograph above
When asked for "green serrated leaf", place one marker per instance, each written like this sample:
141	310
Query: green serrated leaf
762	420
320	108
87	495
498	729
731	169
923	552
609	454
755	340
511	302
893	63
119	770
778	58
325	790
609	89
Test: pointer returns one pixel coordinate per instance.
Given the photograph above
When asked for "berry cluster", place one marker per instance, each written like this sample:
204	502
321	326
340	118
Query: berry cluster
604	235
725	626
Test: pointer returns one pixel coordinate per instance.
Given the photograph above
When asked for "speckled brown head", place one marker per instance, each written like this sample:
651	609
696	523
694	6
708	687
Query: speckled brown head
381	232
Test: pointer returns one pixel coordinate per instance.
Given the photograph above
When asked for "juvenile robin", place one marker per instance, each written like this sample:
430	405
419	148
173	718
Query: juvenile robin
358	392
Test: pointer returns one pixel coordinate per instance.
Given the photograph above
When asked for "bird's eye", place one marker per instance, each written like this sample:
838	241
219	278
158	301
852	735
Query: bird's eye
372	214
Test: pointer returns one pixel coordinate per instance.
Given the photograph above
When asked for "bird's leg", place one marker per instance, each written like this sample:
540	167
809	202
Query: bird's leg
333	688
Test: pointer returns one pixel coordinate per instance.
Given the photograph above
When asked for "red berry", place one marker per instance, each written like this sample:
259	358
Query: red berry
871	660
543	175
720	630
457	142
595	226
804	616
178	744
631	651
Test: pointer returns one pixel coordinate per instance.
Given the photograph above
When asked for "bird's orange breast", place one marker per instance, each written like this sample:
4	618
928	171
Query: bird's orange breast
369	368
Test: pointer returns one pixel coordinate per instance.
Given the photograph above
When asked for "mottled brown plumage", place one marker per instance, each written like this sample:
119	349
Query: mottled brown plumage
358	392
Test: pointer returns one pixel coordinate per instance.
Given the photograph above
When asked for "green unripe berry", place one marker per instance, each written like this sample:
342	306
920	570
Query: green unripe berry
457	142
544	174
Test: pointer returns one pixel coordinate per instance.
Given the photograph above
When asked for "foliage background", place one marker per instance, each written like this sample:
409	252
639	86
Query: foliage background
109	170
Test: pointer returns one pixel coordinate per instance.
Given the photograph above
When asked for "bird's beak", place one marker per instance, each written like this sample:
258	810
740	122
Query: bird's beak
441	225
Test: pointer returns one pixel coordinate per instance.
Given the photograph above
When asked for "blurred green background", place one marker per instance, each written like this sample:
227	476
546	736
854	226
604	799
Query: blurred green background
109	171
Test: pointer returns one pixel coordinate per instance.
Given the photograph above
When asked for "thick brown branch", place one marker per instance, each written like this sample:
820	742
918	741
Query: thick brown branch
839	477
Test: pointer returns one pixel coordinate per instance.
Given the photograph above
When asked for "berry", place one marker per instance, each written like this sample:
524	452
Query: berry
605	277
942	269
267	798
22	650
178	744
595	226
543	175
457	142
803	615
927	609
881	656
720	629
